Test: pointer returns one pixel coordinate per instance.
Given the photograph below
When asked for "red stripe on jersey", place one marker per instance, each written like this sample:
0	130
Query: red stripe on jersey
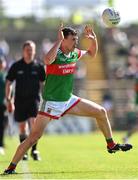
61	69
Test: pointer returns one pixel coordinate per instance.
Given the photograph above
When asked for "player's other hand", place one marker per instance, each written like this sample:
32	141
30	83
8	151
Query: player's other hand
10	106
89	33
60	33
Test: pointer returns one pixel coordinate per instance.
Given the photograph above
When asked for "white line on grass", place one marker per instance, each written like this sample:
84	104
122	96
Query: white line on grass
25	169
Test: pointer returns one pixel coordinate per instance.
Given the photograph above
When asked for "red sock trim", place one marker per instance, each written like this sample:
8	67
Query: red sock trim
111	144
12	167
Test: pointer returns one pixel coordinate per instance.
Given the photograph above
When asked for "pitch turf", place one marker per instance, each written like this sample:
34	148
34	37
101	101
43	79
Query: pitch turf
75	157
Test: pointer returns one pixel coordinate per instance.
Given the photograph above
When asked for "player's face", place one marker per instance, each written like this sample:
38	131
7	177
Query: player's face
71	42
29	52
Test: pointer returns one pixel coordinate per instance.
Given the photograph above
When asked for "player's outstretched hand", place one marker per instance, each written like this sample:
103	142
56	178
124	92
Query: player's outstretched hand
89	33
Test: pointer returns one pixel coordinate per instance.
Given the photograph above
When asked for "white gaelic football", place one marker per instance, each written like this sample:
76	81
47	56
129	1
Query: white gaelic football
111	17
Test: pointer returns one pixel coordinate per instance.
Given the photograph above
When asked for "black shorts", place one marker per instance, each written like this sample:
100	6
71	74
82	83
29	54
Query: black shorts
25	110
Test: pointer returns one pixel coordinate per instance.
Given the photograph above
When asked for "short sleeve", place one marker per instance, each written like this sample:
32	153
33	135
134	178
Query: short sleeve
81	53
11	76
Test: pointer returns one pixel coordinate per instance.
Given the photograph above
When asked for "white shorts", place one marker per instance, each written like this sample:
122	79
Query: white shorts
56	109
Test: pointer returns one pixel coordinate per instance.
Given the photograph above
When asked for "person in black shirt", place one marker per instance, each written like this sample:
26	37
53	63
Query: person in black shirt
29	76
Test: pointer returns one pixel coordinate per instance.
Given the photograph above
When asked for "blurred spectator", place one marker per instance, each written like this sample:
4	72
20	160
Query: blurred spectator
107	103
132	61
119	73
132	108
4	47
3	118
132	121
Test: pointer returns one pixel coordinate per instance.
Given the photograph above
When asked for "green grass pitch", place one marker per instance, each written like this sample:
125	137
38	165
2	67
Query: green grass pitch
75	157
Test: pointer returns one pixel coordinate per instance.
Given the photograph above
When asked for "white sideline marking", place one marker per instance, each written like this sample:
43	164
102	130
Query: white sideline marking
25	169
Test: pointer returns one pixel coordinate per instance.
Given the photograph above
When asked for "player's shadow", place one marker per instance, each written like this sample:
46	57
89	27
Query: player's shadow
58	172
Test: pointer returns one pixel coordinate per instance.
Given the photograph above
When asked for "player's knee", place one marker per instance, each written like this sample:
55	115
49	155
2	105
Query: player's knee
102	113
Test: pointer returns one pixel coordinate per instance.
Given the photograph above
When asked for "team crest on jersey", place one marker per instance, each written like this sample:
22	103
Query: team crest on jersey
49	110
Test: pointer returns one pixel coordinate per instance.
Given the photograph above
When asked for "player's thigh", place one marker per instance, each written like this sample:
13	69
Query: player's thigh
86	108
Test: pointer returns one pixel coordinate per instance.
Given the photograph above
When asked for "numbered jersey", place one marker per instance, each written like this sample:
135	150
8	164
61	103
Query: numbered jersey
59	76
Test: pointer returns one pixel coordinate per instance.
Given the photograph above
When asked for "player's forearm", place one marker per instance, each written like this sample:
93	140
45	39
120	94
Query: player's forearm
8	90
51	55
92	51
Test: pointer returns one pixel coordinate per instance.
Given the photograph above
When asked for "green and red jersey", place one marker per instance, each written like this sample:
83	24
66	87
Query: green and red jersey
59	76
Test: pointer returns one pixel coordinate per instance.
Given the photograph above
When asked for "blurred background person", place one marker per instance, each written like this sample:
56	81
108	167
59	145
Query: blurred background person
132	66
3	118
132	94
132	112
107	103
29	75
132	124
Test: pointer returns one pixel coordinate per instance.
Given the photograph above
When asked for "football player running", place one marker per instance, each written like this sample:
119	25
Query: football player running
57	94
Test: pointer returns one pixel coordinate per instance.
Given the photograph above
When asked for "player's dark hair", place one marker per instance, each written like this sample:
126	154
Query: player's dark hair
27	43
69	31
